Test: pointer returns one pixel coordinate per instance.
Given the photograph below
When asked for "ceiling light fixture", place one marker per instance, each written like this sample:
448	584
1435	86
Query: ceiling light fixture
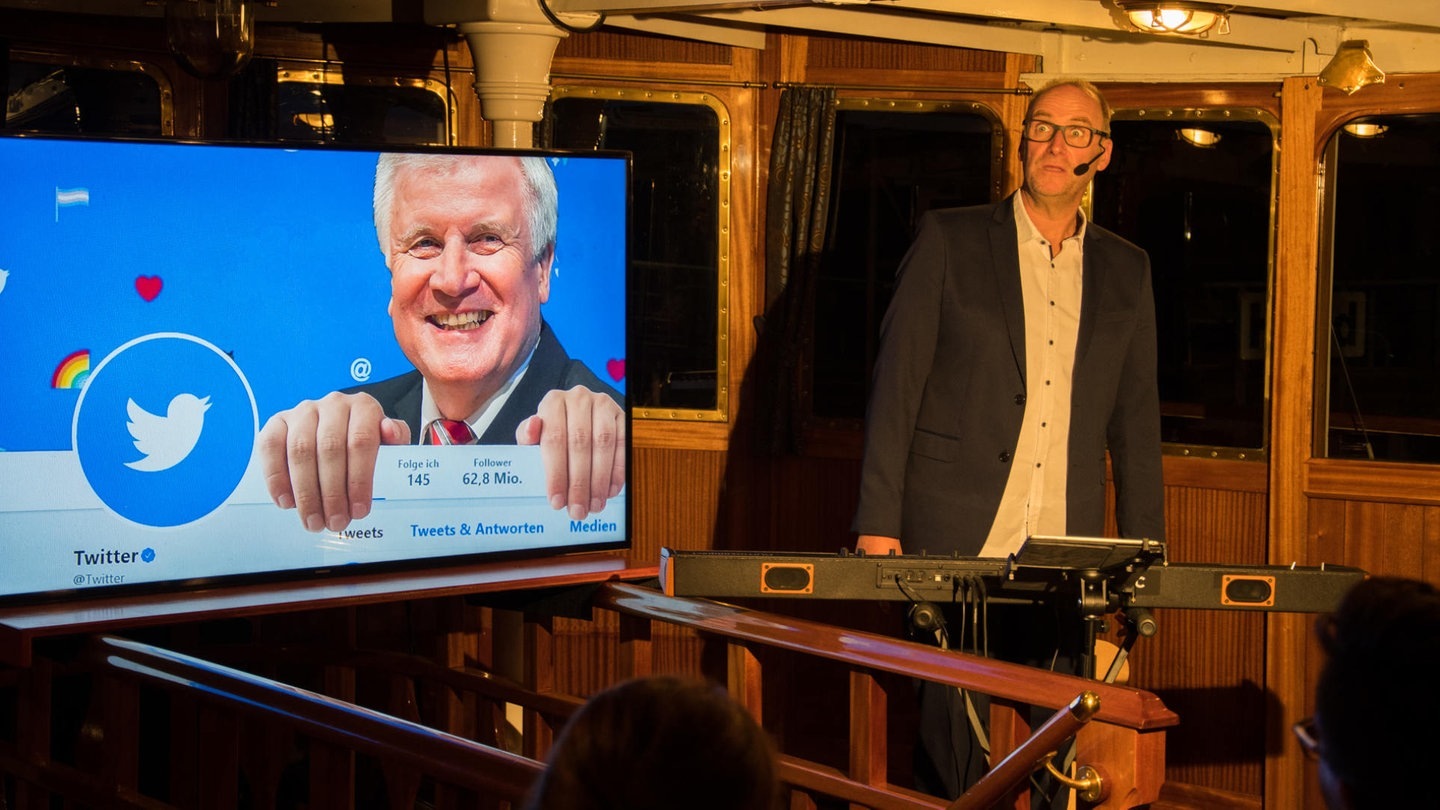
1365	129
211	39
1176	16
1351	68
1195	136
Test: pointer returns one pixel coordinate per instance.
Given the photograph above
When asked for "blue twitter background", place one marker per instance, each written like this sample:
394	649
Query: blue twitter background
268	254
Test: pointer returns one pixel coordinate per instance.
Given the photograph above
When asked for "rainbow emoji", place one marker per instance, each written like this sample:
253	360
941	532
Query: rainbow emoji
72	371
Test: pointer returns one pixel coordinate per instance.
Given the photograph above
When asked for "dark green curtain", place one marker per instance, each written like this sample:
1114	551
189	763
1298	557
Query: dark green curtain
797	215
254	101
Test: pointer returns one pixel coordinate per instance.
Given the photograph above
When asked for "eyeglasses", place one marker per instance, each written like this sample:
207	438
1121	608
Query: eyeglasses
1309	736
1075	135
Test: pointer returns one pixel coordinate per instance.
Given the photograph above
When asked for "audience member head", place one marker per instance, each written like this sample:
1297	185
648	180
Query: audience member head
659	743
1376	697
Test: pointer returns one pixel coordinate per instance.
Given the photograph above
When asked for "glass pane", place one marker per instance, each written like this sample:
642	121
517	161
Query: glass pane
890	167
1384	341
1196	195
48	96
676	190
315	106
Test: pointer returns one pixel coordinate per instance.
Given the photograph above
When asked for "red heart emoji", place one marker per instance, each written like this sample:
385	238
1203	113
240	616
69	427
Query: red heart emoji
616	369
148	286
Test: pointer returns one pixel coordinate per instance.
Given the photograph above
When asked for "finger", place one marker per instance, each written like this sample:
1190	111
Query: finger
618	468
604	435
548	427
394	432
366	433
332	441
300	458
270	444
527	433
579	448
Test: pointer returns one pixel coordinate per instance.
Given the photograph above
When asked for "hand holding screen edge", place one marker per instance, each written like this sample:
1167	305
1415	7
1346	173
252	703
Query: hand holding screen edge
585	462
319	457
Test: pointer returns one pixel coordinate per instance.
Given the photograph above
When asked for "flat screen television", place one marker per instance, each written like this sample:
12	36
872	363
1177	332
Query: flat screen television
160	301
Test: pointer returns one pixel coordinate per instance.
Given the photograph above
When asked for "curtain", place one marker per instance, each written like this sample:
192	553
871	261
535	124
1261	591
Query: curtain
255	101
797	213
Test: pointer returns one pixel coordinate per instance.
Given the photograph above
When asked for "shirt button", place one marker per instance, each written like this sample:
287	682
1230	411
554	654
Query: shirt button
1019	399
1004	456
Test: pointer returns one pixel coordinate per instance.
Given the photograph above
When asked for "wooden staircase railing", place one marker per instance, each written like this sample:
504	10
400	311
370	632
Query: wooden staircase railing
178	730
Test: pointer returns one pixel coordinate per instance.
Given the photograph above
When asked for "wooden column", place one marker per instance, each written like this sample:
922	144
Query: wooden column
1292	379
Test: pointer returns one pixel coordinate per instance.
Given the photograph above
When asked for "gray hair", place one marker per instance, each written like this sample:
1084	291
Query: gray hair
541	196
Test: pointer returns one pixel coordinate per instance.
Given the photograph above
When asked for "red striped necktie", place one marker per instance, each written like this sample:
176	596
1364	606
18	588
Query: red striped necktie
449	431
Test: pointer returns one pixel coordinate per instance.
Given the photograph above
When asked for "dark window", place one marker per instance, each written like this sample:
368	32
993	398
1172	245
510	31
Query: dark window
676	365
316	106
63	95
890	167
1383	343
1196	195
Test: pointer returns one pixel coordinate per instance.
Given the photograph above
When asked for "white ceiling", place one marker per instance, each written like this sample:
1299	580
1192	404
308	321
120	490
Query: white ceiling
1266	39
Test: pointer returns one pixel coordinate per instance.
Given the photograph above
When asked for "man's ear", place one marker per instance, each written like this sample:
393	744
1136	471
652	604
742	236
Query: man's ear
544	266
1105	158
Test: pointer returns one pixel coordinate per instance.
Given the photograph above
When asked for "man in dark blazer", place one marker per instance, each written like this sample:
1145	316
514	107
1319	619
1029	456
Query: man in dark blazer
1018	349
551	369
469	241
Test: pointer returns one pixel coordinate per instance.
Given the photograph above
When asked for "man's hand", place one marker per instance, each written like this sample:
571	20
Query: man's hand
874	544
581	434
319	457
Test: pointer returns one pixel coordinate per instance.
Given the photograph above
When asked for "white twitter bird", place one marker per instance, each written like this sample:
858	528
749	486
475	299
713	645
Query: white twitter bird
166	440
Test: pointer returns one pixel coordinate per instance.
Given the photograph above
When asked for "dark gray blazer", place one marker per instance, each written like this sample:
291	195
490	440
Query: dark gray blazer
550	368
949	388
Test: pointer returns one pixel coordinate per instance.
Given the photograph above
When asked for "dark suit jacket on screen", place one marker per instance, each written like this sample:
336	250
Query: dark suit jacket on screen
949	388
550	368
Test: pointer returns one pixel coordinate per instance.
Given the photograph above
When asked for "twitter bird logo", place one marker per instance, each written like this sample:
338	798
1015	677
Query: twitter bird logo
166	440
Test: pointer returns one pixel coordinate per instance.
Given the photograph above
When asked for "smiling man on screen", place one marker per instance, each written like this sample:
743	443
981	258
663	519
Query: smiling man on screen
469	241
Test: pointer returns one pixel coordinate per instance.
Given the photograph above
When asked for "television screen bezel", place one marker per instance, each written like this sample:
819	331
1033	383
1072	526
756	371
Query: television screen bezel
322	574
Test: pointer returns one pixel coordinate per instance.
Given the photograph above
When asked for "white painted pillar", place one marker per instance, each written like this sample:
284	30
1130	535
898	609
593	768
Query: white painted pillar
512	43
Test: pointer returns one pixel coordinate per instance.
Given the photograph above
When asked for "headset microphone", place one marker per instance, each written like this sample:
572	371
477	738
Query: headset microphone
1082	168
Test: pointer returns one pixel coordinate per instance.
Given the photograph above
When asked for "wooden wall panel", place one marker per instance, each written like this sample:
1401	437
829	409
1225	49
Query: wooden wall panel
1383	538
827	52
675	496
629	47
1209	665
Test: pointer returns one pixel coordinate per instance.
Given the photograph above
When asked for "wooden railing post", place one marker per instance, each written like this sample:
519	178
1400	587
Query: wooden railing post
1008	729
745	679
539	676
636	647
868	720
216	757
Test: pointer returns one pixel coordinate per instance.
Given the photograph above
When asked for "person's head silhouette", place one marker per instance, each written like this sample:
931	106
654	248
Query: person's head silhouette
658	743
1376	696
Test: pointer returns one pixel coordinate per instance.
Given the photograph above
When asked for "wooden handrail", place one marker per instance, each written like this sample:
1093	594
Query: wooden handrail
221	704
1020	763
456	760
1119	705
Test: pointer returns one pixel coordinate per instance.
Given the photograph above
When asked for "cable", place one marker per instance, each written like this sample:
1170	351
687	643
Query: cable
558	23
1359	420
